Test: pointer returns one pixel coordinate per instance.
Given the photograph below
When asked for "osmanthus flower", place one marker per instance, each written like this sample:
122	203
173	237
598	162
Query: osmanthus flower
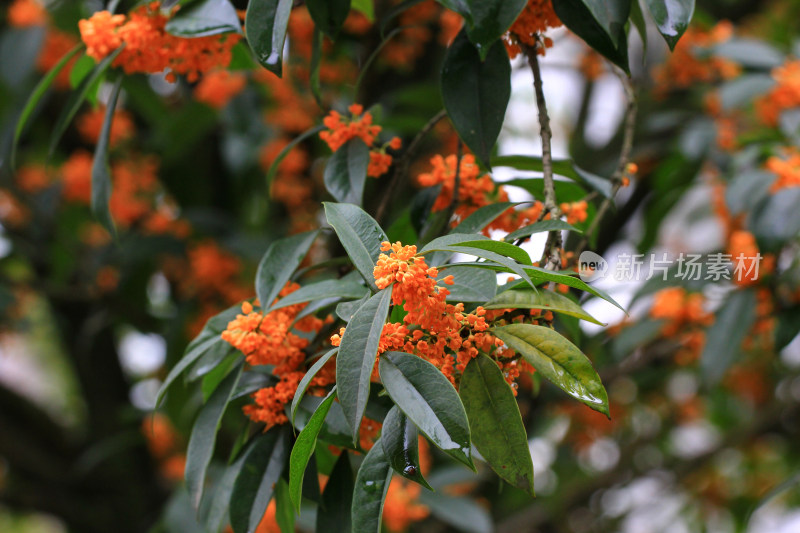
33	178
784	95
748	263
26	13
685	320
536	17
90	124
217	88
341	129
786	168
76	177
575	211
56	45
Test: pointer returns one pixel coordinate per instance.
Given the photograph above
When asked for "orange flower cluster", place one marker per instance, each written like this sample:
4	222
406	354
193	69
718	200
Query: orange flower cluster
441	333
684	68
56	45
149	48
536	17
91	123
685	319
164	445
217	88
76	177
12	212
784	95
33	178
787	169
291	186
341	130
269	340
26	13
292	112
408	45
748	265
575	211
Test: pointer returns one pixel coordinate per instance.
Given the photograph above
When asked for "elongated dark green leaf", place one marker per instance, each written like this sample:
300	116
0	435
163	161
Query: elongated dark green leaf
469	284
557	359
346	172
429	400
254	486
34	98
215	505
205	341
346	310
724	338
77	98
360	235
101	173
562	167
316	62
80	69
329	15
459	512
444	242
284	514
273	168
279	263
672	18
538	227
356	358
303	385
401	446
524	298
372	482
503	248
482	217
336	288
495	422
304	447
265	26
510	264
566	191
638	22
204	17
333	515
490	20
601	23
204	434
366	7
476	93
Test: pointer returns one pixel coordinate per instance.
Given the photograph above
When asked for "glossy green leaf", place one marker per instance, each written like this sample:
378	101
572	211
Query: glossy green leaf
284	514
337	288
672	18
306	381
333	514
499	247
215	505
640	24
254	486
446	241
366	8
490	19
372	482
346	172
538	227
36	96
524	298
80	69
429	400
265	26
400	441
558	360
329	15
101	173
204	17
205	341
304	447
360	235
482	217
204	433
279	263
724	338
469	284
601	23
356	359
77	97
495	422
346	310
476	93
213	379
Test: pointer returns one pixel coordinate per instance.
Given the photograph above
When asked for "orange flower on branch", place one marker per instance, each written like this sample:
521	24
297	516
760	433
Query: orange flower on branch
536	17
217	88
787	169
91	123
27	13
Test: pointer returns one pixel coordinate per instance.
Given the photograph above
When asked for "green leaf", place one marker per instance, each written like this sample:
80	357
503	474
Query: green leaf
360	235
203	18
265	26
279	263
524	298
539	274
101	173
557	359
356	358
304	447
254	486
482	217
428	398
205	341
476	93
459	512
316	62
672	18
284	514
469	284
365	7
511	265
495	422
724	338
566	191
346	172
80	69
329	15
77	98
538	227
204	433
304	383
34	98
372	482
444	242
333	515
601	23
638	22
336	288
213	379
503	248
401	446
346	310
750	53
273	168
214	508
490	20
562	167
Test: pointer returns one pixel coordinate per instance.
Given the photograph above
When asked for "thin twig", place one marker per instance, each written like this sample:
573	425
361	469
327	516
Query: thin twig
401	167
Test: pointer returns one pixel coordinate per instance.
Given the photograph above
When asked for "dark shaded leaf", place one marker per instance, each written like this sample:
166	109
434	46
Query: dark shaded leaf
333	515
372	482
312	372
401	446
204	17
524	298
601	23
672	18
101	173
346	172
329	15
279	263
724	337
360	235
265	26
538	227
